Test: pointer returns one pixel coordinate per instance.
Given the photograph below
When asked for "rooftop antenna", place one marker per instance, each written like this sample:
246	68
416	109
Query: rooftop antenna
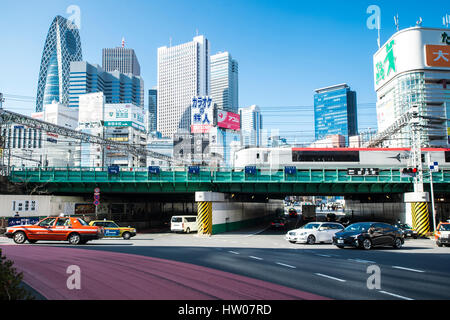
123	42
396	21
196	32
446	20
419	22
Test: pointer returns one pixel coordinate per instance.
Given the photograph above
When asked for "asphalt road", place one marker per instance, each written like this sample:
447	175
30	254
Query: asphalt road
420	270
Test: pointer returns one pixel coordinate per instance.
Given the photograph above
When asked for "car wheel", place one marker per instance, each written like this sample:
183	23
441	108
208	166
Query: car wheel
19	237
292	241
439	244
397	243
74	238
32	241
340	247
188	230
126	235
367	244
311	239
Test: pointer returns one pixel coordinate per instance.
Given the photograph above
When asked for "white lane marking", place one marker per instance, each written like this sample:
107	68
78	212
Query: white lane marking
257	258
396	295
362	261
323	255
260	231
407	269
329	277
233	252
286	265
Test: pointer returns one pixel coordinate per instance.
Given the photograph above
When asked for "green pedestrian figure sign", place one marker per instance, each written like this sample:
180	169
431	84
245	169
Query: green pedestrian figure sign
381	70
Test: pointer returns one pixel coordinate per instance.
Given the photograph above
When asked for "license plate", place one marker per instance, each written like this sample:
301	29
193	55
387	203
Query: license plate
340	241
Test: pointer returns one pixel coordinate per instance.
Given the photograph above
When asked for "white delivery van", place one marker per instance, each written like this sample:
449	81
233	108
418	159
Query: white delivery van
183	224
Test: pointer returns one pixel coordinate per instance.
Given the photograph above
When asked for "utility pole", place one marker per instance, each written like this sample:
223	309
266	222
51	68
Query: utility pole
416	149
432	191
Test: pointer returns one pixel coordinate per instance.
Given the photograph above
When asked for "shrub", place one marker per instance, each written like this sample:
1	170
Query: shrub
10	282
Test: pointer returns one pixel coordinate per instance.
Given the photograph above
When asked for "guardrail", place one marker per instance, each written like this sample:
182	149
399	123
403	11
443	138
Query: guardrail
208	175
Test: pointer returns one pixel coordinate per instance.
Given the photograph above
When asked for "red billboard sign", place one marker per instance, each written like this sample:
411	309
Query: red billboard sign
228	120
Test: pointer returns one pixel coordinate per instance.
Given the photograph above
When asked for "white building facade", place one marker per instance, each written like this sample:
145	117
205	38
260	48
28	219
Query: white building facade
183	73
251	126
413	69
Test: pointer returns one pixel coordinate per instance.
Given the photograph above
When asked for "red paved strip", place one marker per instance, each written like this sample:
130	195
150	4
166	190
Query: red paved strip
119	276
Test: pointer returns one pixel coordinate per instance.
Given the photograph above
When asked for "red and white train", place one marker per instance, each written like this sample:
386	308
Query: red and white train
324	158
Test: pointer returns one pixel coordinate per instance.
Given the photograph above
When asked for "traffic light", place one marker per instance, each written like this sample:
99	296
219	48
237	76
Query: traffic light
411	172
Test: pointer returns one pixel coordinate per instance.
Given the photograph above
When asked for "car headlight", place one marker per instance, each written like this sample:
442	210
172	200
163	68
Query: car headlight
302	233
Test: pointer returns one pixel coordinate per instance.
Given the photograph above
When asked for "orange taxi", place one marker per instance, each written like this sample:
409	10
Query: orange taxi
74	230
442	234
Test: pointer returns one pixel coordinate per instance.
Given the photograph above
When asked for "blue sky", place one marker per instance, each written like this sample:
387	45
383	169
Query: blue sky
285	49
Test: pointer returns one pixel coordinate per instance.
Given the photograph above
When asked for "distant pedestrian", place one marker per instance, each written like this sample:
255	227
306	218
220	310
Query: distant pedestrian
17	215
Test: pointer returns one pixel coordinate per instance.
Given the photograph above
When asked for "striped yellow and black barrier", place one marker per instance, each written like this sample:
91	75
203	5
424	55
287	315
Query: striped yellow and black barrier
204	218
420	218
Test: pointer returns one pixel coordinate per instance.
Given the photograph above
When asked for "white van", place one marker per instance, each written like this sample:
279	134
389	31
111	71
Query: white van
183	224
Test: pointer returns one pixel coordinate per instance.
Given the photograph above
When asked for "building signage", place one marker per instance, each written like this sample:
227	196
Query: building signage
386	65
202	113
228	120
24	205
438	56
445	38
22	221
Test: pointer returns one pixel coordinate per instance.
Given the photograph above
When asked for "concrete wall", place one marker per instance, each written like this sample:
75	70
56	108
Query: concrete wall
378	211
229	216
37	206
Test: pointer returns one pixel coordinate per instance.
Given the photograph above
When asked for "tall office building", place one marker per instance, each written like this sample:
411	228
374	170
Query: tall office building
224	82
121	59
251	126
183	73
152	109
413	69
335	112
62	46
117	87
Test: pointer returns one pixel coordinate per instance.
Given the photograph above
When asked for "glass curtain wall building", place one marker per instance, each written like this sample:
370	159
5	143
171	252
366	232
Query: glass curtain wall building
335	112
117	87
121	59
62	46
224	82
152	109
251	126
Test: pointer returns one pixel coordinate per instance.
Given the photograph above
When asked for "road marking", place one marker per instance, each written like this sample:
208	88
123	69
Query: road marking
260	231
233	252
286	265
323	255
330	277
407	269
396	295
362	261
257	258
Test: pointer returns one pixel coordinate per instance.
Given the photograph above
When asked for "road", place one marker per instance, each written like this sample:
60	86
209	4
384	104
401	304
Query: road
239	265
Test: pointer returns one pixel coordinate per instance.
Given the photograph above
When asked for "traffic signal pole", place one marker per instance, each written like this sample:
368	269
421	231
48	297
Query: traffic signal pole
432	192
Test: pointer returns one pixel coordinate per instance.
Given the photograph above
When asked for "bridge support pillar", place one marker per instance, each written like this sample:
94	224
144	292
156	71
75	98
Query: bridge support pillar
419	215
205	210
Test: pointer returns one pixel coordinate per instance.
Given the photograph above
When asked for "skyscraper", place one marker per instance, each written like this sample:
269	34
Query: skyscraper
121	59
152	109
335	112
224	82
183	73
251	126
62	46
117	87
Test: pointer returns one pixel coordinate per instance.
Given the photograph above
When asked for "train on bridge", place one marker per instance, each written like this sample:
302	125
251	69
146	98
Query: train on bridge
323	158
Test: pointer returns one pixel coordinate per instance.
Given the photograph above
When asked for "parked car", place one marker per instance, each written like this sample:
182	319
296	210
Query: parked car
279	223
314	232
183	224
442	234
112	230
368	235
74	230
408	231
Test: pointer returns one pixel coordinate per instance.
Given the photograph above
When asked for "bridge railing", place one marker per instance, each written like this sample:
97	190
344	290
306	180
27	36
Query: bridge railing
208	175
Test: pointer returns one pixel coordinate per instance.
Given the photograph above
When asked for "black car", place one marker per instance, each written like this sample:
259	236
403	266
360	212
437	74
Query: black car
293	213
279	223
369	234
407	230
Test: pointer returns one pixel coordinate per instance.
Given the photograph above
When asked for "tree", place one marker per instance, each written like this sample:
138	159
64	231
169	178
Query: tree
10	282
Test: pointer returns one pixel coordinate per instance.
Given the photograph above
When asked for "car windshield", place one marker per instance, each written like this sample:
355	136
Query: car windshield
445	227
358	227
176	219
47	222
83	223
311	226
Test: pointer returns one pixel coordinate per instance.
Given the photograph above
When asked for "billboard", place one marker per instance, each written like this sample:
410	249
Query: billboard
411	49
202	113
124	115
228	120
